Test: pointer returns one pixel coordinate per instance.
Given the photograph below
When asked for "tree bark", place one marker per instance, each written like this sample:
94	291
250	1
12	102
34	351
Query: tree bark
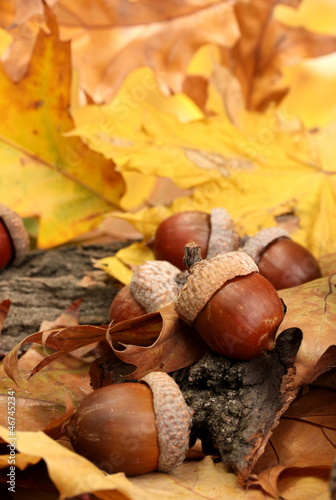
47	282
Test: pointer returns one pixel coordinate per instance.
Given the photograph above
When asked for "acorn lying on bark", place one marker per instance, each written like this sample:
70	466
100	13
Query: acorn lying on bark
234	309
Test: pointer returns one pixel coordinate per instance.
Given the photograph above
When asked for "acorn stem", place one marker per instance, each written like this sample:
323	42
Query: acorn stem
192	254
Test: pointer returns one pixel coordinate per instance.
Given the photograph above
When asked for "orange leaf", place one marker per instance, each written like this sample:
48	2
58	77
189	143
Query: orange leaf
63	340
312	308
265	47
306	437
4	309
47	400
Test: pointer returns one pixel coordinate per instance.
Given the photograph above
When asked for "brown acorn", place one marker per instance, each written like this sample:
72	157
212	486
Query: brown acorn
14	240
234	309
133	427
214	233
281	260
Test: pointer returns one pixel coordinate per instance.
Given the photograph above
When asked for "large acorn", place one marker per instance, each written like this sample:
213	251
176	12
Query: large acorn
14	240
133	427
214	233
281	260
234	309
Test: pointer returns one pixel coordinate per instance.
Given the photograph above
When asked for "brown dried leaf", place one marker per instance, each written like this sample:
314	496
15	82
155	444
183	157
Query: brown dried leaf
265	47
4	309
47	400
306	437
62	340
328	264
156	341
163	37
312	308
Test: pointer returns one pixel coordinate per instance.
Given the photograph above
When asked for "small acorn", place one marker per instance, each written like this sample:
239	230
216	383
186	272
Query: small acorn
133	428
153	285
14	240
214	233
281	260
235	310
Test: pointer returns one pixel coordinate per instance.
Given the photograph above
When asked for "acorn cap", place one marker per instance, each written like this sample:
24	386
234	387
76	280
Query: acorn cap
206	278
223	234
173	420
153	284
17	232
257	243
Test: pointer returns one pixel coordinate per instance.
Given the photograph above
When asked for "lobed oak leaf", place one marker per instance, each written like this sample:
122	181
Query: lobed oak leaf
122	264
61	340
158	341
155	341
265	47
47	174
305	438
47	400
312	308
162	38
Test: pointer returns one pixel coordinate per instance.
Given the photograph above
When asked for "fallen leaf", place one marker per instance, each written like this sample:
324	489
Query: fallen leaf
312	308
48	175
22	461
328	264
157	341
43	402
62	340
4	309
305	438
162	38
265	47
122	264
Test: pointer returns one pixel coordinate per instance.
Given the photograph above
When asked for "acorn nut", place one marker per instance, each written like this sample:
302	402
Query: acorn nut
153	285
133	428
281	260
14	240
234	309
214	233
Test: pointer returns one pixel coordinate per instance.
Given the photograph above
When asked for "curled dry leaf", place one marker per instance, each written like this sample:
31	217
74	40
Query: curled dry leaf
156	341
306	437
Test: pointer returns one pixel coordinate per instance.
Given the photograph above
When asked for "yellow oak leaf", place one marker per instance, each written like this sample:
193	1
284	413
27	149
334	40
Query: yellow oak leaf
267	166
121	265
45	174
316	15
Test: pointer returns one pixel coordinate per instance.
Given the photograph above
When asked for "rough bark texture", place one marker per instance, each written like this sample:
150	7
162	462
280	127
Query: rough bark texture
237	403
47	282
